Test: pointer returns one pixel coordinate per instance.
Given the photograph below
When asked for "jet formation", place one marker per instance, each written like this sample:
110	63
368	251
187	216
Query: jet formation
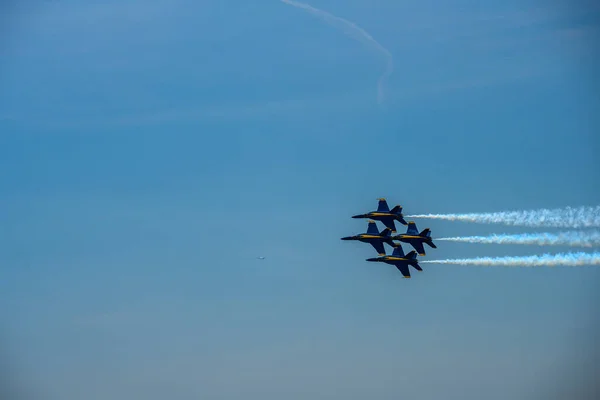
377	239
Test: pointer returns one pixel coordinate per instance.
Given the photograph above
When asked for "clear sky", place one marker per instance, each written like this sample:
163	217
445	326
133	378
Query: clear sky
151	150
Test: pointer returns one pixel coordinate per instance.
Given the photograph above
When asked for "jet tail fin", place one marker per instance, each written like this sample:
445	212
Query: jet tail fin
413	257
426	233
396	210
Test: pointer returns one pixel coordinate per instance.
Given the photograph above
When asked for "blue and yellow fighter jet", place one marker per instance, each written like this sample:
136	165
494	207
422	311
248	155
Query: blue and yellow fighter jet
416	239
385	215
374	238
400	261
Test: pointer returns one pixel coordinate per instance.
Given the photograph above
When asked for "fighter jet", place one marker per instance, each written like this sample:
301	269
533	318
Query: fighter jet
416	239
385	215
400	261
374	238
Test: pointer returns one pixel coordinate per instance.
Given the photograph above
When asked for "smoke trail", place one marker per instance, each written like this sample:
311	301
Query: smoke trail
572	238
353	30
550	260
569	217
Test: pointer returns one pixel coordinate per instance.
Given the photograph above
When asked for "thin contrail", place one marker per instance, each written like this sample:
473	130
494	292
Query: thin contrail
550	260
355	31
570	238
568	217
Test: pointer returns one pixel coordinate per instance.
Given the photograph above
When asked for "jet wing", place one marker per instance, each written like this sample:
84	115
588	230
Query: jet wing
378	246
418	247
372	228
382	206
403	268
412	229
389	223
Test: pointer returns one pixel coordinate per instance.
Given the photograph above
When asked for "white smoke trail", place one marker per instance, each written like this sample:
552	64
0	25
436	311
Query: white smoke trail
550	260
353	30
568	217
571	238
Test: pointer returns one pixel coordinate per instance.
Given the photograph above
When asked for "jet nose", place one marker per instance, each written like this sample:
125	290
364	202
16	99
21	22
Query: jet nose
371	259
358	216
347	238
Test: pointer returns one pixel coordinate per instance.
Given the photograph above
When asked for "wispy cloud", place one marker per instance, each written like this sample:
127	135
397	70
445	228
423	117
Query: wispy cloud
355	31
521	67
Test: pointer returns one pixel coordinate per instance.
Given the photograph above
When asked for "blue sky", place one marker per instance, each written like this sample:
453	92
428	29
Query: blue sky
150	150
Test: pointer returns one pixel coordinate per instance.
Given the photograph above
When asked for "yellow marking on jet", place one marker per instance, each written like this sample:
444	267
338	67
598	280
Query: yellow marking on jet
409	237
370	237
